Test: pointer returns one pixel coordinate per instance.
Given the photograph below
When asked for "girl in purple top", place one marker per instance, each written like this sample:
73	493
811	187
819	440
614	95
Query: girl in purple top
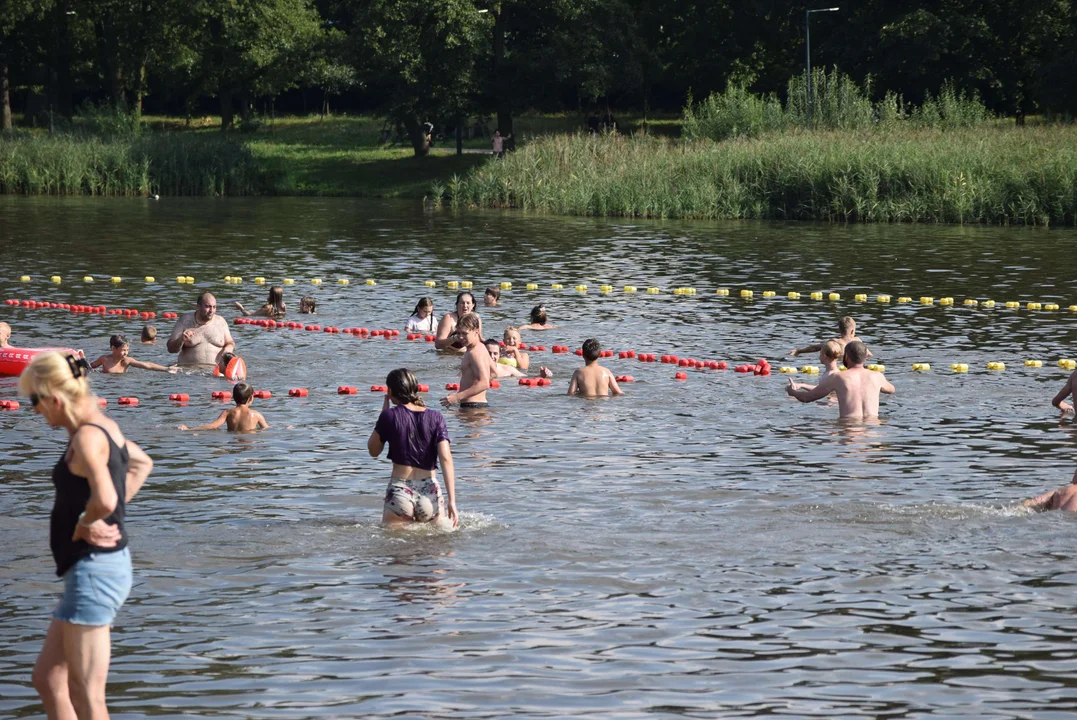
417	439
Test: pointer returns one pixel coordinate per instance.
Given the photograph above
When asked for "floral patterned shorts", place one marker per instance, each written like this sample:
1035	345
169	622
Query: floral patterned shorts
418	500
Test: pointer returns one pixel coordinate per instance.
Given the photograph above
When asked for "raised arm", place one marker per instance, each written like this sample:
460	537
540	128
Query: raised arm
101	361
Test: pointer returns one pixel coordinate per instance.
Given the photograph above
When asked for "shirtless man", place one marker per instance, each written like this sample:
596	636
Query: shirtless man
447	338
202	336
857	388
5	334
474	369
1064	498
1059	400
593	380
847	328
498	369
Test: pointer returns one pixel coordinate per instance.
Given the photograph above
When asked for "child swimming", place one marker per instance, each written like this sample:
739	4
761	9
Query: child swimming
149	334
308	306
511	354
231	367
273	308
240	418
593	380
538	320
118	360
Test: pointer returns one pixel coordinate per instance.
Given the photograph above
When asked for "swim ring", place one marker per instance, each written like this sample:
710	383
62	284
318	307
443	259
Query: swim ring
14	360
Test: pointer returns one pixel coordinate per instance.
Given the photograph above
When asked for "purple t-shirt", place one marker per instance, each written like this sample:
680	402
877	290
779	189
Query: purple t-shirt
412	436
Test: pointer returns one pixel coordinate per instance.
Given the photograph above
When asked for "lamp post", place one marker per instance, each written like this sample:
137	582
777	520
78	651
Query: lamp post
807	44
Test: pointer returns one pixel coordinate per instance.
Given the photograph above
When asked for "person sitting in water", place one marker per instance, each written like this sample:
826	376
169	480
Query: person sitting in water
447	337
422	318
118	360
1065	498
847	330
240	418
1059	400
474	368
231	367
201	337
538	320
307	306
511	354
491	297
593	380
418	439
5	334
149	335
857	388
274	307
499	369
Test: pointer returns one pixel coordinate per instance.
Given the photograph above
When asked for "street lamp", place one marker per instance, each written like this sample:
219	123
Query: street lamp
807	38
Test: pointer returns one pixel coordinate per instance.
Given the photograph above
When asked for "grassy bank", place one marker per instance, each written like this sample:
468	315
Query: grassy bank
983	175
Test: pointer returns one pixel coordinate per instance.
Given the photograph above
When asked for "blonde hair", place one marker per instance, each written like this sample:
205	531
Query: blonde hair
833	349
56	374
468	323
510	329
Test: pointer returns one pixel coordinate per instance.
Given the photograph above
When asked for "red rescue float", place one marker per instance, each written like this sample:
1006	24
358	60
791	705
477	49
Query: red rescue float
14	360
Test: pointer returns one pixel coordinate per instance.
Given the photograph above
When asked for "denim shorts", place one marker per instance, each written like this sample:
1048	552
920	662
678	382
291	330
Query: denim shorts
94	589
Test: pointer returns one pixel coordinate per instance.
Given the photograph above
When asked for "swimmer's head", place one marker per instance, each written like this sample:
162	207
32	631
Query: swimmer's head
149	333
491	296
831	350
591	350
856	353
225	359
55	383
242	393
512	335
307	305
494	348
207	306
538	315
847	326
465	303
424	307
276	297
469	323
118	344
5	333
403	387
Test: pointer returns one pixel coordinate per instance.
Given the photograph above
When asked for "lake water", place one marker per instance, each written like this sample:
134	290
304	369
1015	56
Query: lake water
707	548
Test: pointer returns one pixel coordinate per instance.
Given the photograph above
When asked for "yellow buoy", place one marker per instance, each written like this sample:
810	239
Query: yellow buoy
630	288
769	293
236	280
150	279
506	286
369	282
557	286
817	296
289	281
1034	306
181	279
532	286
453	284
810	370
653	291
833	296
343	281
87	278
57	279
467	284
904	299
959	367
921	366
1050	306
430	283
1067	364
946	301
787	370
117	279
969	302
860	297
792	295
1073	308
927	300
606	288
315	281
24	278
722	291
259	281
994	365
746	293
581	288
988	303
1033	363
877	368
882	298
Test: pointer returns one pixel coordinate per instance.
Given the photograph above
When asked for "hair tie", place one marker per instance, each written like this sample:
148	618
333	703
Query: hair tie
80	367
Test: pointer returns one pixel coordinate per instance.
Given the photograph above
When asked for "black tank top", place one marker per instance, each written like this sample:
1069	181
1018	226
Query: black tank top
72	494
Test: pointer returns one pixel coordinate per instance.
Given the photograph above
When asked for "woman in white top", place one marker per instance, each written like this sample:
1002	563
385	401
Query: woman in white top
423	318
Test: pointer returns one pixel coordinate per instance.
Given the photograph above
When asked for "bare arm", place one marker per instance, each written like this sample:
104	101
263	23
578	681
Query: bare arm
138	469
614	387
146	365
446	335
101	361
1059	400
573	385
811	394
886	387
229	343
808	349
210	426
374	444
261	424
89	458
175	340
449	471
1041	502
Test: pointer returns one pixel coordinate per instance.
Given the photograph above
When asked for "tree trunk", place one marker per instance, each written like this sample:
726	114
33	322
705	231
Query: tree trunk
227	111
140	92
417	135
62	88
5	99
503	103
245	107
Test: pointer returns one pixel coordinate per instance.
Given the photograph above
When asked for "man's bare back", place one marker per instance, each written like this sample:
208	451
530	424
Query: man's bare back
593	380
857	388
199	344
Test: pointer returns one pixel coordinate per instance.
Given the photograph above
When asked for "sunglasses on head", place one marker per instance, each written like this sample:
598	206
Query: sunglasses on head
35	399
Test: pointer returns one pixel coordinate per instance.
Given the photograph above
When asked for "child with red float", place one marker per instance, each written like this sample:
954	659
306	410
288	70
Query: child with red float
240	418
118	361
231	367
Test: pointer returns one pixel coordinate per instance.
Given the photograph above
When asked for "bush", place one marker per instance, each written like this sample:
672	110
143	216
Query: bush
734	113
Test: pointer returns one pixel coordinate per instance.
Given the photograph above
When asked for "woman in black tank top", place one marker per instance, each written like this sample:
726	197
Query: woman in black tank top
100	471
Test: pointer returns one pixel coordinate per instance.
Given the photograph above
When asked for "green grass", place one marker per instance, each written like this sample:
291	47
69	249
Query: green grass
979	175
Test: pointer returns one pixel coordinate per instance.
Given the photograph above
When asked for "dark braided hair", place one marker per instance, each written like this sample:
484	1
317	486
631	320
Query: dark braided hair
403	384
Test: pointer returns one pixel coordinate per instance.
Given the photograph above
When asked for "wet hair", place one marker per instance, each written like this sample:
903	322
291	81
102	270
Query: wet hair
468	322
591	350
846	324
276	299
307	304
404	386
117	341
225	359
460	296
57	374
538	315
490	342
423	302
242	393
832	349
856	353
496	292
149	333
202	298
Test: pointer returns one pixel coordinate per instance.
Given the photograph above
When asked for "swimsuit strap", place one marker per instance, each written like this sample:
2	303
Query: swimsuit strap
107	433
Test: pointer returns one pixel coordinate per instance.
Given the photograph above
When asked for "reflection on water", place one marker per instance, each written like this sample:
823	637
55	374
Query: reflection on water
710	548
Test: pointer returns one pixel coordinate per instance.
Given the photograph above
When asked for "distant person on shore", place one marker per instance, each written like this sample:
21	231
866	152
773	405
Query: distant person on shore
201	337
847	333
1065	498
499	369
1059	400
118	361
274	307
538	320
511	354
857	387
307	305
418	439
491	297
447	337
5	334
593	380
498	143
241	418
149	335
422	318
474	367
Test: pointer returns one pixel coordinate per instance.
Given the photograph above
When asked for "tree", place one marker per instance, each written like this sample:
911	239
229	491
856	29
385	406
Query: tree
15	18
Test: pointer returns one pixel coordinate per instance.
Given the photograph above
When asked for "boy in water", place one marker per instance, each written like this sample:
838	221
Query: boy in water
1065	498
497	368
118	360
231	367
240	418
491	297
593	380
847	330
1059	400
307	306
149	335
857	388
474	368
5	334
